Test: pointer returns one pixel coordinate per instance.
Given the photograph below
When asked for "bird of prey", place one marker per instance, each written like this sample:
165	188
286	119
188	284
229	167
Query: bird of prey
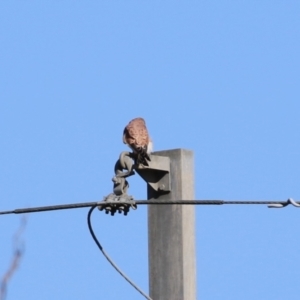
136	136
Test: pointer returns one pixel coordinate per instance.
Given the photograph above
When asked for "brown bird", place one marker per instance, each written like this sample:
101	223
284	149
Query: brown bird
136	136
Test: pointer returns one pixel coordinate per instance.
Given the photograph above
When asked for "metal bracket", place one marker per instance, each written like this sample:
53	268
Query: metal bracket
121	185
157	174
112	204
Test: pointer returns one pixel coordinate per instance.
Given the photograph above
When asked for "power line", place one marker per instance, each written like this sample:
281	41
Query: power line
271	204
93	205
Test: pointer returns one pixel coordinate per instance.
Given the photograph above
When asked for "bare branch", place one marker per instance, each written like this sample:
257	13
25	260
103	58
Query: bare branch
18	249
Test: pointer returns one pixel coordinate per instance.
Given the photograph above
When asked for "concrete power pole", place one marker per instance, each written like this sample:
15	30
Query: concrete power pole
172	262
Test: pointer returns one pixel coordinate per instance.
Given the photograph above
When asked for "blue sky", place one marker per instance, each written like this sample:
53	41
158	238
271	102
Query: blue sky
218	77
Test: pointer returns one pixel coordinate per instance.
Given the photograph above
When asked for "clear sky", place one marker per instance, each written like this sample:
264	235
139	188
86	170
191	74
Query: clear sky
221	78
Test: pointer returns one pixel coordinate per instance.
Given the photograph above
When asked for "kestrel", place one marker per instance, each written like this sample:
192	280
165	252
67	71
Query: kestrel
136	136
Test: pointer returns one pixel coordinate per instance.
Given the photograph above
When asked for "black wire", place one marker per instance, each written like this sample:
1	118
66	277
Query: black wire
107	257
141	202
48	208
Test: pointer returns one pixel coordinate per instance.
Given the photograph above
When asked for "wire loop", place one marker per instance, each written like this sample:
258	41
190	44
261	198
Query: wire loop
280	205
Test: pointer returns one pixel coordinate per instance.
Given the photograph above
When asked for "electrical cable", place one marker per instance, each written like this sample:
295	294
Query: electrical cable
93	205
107	257
149	202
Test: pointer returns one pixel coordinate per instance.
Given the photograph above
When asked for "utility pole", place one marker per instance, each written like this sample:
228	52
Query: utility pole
171	229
